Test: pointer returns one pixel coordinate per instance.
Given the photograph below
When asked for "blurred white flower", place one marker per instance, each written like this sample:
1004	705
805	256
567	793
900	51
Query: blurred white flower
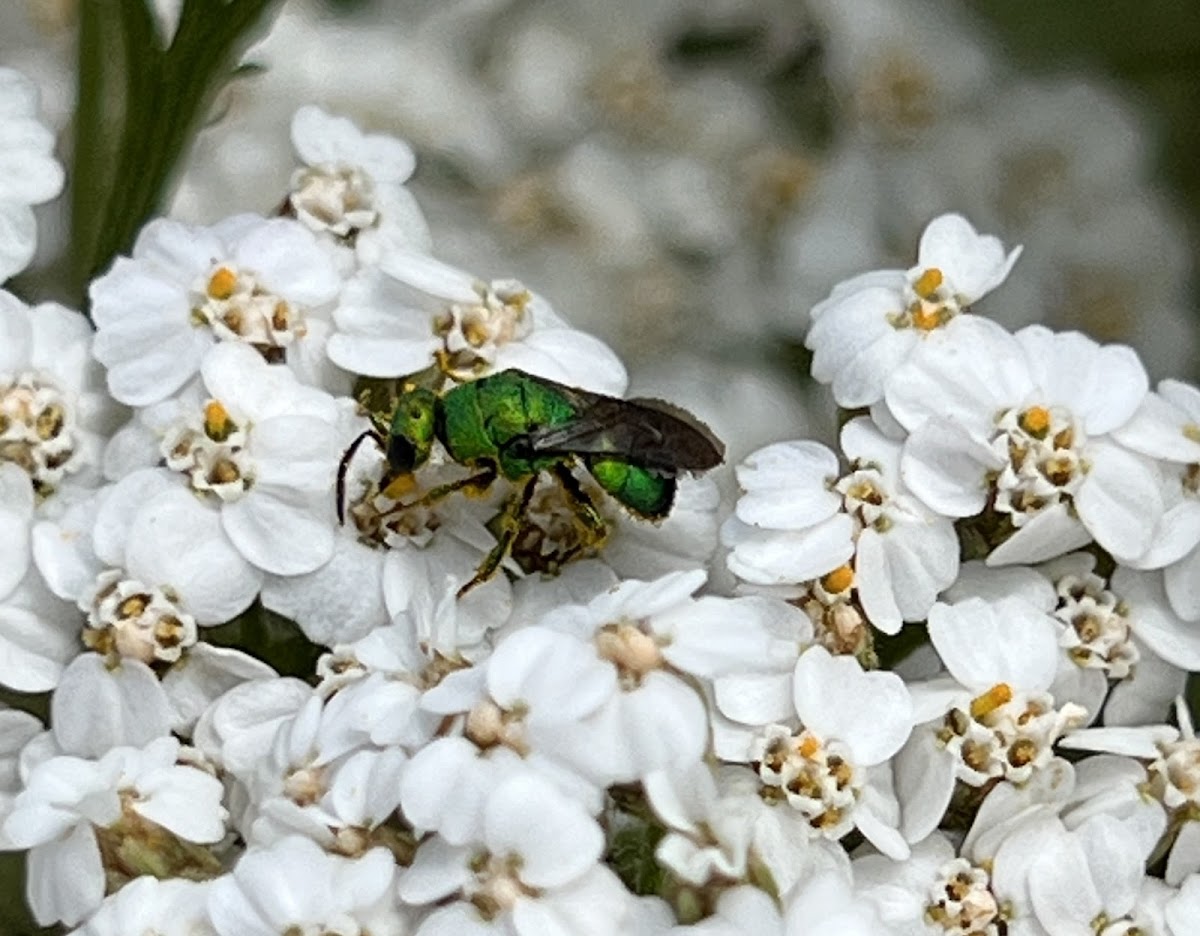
170	907
261	282
352	186
31	176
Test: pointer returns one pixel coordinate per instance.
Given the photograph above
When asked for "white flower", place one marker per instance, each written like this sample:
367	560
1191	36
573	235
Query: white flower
170	907
248	280
709	834
342	600
293	886
937	892
640	631
798	521
1094	872
1022	424
873	323
261	449
31	176
138	559
39	634
419	312
69	804
534	869
833	769
1123	649
54	412
352	186
320	777
993	717
1167	426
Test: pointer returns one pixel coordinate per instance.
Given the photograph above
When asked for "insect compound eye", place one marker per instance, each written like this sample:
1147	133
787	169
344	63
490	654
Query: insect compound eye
401	453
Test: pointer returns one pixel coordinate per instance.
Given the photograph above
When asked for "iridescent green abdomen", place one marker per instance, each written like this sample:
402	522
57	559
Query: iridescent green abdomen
479	420
645	492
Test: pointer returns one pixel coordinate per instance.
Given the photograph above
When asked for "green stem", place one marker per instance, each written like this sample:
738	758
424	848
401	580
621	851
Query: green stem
139	106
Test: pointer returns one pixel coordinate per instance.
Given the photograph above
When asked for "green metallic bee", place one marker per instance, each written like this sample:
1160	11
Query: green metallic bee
517	426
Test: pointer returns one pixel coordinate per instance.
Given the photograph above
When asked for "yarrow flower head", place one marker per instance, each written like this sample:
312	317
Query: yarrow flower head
1027	432
862	534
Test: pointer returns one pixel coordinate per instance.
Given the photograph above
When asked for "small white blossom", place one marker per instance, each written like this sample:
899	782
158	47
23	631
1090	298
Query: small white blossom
1026	428
248	280
258	448
419	312
170	907
873	323
798	521
54	413
32	176
993	716
351	186
293	886
534	869
833	768
69	804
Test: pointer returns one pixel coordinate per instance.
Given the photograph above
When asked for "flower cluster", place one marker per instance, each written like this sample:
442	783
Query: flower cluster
836	702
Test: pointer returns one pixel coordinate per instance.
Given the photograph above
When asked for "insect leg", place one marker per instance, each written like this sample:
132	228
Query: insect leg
583	505
344	466
481	481
585	511
505	526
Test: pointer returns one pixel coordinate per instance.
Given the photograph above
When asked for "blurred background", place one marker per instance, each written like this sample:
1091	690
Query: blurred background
686	178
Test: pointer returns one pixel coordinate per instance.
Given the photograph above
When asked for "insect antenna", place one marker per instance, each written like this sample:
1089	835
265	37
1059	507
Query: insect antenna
344	466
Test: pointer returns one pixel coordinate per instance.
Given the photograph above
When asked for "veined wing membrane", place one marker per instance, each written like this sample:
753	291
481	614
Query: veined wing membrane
647	433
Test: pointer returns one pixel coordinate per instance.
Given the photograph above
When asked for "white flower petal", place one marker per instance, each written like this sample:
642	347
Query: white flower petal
556	839
95	709
870	712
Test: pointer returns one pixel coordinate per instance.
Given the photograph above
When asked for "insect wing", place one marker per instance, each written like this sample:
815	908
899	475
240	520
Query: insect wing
647	433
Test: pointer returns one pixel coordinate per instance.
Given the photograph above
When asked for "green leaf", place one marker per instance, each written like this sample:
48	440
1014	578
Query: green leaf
270	637
631	855
140	104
